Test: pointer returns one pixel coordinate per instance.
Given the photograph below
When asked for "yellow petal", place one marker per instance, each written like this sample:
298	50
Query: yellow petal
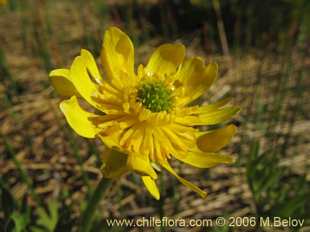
217	139
218	116
165	59
114	164
60	79
188	184
79	74
117	55
204	109
196	78
204	160
91	65
110	137
211	118
78	119
151	186
141	164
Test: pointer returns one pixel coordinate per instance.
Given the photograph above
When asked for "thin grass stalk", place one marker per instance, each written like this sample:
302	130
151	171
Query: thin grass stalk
78	158
89	213
19	167
221	29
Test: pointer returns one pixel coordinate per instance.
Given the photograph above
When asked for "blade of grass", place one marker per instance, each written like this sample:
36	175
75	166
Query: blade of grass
88	214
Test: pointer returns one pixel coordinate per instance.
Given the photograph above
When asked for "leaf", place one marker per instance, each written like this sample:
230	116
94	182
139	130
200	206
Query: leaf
7	202
48	219
20	220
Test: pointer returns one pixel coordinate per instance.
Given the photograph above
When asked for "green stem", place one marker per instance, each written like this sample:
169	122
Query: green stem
88	214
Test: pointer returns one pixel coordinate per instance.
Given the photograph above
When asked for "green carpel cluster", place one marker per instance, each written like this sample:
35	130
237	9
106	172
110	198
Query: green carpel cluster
155	96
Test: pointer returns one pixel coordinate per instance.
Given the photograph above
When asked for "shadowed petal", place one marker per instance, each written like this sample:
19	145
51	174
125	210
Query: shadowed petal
115	164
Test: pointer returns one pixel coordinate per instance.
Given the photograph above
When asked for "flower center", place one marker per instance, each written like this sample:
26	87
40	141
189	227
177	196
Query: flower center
155	96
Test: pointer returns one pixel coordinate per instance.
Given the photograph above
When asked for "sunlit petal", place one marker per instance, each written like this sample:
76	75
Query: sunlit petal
151	186
195	78
165	59
79	119
91	66
217	139
141	164
61	81
204	160
188	184
117	56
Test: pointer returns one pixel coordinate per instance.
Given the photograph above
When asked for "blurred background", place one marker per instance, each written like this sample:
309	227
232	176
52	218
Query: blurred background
47	173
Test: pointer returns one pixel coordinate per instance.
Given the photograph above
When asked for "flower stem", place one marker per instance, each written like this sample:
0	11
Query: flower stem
88	214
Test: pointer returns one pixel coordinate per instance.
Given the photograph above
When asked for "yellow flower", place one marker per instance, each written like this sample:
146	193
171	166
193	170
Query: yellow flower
145	118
